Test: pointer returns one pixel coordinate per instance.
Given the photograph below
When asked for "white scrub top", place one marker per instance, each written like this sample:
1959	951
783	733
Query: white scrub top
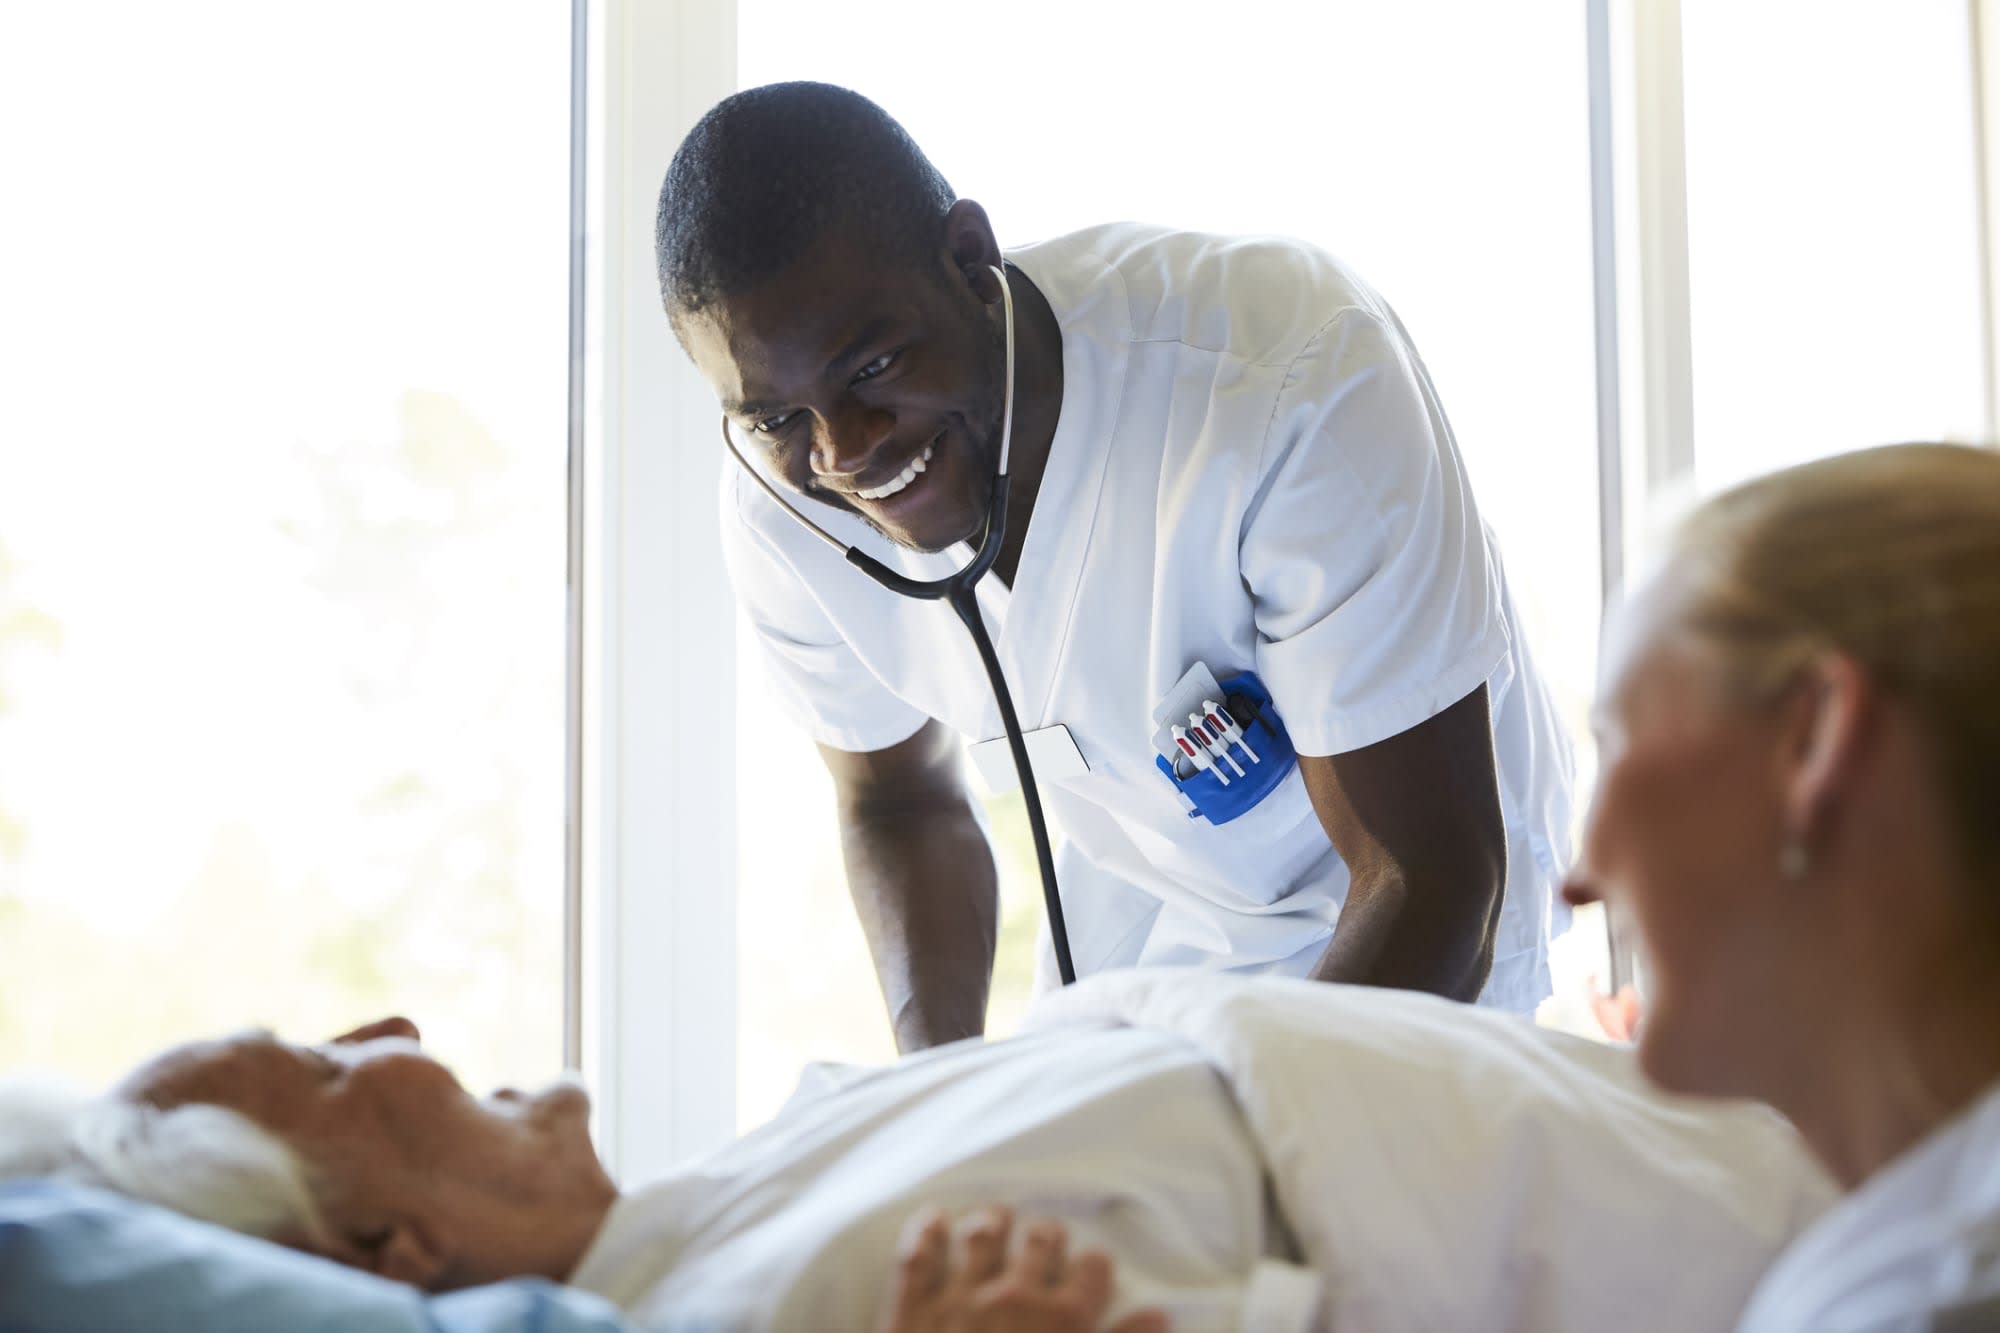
1916	1248
1251	470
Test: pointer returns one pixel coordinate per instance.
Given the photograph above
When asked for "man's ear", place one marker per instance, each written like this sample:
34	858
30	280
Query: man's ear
404	1251
1826	741
968	239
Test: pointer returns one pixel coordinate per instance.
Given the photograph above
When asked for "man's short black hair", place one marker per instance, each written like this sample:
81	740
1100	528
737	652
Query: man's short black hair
767	172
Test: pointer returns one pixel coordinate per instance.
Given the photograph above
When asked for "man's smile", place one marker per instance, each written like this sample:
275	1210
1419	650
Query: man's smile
901	480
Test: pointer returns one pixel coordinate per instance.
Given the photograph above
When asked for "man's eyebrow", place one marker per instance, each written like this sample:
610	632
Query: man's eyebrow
757	408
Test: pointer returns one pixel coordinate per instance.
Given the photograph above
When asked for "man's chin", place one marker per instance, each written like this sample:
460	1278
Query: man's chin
931	538
931	546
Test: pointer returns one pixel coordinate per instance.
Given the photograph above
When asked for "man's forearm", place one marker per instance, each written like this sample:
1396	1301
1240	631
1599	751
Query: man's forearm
924	886
1426	940
1417	819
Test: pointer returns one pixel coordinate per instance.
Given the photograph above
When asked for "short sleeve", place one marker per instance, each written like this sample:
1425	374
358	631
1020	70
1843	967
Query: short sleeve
1375	600
816	675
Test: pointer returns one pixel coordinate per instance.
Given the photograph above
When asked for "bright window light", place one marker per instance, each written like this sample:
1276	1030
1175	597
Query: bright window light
282	513
1833	246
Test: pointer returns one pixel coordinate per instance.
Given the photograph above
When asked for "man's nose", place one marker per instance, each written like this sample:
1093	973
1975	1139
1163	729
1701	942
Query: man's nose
845	441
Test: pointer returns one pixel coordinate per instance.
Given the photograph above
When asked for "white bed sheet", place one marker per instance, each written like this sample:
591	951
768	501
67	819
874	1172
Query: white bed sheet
1436	1167
1128	1136
1450	1168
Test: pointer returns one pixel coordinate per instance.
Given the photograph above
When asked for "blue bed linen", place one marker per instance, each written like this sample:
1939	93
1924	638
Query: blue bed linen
83	1260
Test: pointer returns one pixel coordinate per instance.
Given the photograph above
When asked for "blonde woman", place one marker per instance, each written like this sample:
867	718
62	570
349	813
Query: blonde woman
1799	804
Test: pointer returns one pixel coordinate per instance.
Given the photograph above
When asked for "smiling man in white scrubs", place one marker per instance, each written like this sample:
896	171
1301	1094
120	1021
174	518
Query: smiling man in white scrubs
1226	454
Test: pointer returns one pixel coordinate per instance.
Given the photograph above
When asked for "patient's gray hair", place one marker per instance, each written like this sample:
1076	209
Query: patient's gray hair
208	1162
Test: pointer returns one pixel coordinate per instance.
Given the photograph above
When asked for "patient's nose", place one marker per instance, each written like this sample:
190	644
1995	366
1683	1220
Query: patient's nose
394	1026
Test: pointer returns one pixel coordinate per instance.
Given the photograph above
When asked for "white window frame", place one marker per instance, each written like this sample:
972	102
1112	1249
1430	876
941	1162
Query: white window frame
654	959
1645	346
1984	25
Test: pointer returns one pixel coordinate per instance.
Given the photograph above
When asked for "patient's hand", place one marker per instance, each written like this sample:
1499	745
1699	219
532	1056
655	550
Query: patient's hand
969	1284
1617	1014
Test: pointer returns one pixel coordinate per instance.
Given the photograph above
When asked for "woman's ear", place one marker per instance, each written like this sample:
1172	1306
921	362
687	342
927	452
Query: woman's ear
1830	717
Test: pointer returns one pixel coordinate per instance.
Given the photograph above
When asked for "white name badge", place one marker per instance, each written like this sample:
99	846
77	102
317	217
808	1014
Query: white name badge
1051	750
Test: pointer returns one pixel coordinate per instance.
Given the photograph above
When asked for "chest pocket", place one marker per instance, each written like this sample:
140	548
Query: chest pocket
1253	862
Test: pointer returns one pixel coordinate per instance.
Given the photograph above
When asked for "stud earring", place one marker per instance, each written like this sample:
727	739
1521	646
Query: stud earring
1792	860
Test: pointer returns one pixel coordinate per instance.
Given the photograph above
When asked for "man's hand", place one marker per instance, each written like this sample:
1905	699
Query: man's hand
969	1284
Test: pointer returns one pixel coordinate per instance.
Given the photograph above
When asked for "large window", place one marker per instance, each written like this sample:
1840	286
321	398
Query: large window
1442	150
1833	230
281	526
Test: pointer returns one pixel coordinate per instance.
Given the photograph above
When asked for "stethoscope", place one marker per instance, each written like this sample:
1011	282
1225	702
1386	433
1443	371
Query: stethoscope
957	589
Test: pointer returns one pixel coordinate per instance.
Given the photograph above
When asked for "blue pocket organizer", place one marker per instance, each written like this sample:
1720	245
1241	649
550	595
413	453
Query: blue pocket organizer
1250	704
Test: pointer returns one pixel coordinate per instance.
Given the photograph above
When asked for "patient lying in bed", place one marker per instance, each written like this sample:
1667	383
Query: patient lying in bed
1253	1153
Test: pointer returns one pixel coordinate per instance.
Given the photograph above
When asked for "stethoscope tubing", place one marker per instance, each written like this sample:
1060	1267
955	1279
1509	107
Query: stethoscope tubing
957	590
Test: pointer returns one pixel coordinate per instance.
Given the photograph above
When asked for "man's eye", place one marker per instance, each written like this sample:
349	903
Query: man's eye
875	367
772	425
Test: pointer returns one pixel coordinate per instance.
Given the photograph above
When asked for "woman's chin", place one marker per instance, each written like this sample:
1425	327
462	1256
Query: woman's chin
1677	1056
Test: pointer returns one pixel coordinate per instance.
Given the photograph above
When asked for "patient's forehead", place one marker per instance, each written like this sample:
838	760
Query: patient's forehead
246	1070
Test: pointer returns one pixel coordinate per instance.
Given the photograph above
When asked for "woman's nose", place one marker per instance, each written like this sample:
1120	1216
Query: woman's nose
1578	891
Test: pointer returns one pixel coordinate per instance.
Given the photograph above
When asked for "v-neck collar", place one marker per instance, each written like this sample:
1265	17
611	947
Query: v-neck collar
1088	300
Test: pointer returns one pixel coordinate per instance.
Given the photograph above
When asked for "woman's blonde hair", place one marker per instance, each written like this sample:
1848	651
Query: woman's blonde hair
1890	556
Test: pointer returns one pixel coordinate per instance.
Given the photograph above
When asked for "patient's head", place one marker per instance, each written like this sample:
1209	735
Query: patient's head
1799	721
362	1148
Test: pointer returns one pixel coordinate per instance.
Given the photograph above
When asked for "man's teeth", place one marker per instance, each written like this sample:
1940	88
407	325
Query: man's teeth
901	479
